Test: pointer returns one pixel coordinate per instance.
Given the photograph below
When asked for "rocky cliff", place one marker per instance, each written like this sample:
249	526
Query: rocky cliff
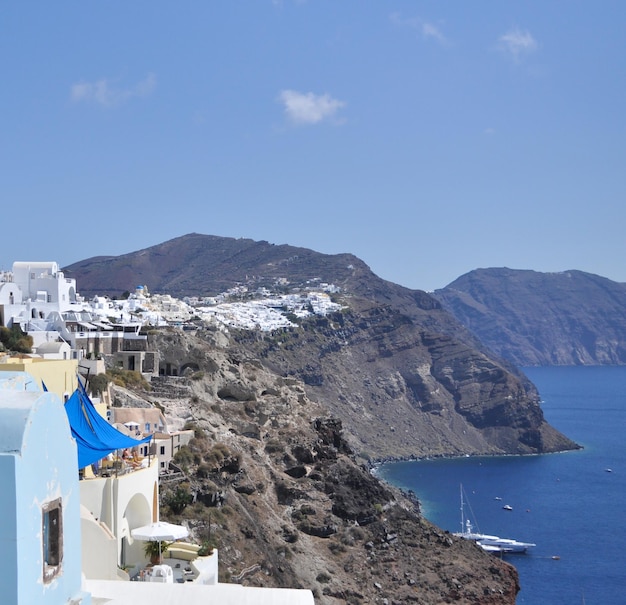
403	391
532	318
270	479
404	376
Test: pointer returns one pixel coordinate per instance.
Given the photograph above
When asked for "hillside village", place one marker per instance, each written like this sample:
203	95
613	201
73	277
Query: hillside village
89	550
331	532
46	305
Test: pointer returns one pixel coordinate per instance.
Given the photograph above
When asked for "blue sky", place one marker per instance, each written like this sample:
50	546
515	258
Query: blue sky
427	138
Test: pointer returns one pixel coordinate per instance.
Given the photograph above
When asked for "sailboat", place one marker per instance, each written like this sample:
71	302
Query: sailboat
487	542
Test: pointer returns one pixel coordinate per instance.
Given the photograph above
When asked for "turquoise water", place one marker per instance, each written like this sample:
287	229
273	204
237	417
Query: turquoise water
568	503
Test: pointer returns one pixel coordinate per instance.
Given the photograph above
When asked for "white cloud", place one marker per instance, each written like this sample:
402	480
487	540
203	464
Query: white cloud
308	108
425	29
104	93
517	43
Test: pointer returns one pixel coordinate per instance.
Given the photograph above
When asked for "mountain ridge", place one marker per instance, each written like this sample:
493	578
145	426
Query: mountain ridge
532	318
175	274
405	377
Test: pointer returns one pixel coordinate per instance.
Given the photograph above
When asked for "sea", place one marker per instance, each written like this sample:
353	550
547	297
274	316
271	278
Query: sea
572	505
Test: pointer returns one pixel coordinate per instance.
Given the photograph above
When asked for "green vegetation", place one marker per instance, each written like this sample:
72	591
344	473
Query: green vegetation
14	339
220	458
129	379
98	384
154	548
293	318
207	456
178	500
207	546
184	457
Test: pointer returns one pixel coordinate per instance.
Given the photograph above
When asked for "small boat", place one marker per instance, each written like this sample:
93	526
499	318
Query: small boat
507	507
497	498
489	543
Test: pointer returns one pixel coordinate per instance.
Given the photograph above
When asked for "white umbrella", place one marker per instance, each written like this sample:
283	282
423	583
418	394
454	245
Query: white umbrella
160	531
131	424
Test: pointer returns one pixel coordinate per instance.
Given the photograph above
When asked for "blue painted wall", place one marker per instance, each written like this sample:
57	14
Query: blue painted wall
38	464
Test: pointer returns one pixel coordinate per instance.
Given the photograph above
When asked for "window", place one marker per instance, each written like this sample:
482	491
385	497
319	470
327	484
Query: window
162	450
147	427
52	538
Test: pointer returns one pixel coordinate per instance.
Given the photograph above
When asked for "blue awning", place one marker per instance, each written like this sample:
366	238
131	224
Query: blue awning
94	436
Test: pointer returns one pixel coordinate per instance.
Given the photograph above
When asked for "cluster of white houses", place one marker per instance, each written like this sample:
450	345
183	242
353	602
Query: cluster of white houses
44	303
37	297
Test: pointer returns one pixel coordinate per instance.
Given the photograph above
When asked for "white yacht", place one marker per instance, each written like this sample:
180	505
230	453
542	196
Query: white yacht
487	542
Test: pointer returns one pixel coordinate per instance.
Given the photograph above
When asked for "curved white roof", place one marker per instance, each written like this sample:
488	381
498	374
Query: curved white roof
40	266
52	347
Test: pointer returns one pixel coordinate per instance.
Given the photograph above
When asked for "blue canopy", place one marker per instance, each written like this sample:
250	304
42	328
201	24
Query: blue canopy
94	436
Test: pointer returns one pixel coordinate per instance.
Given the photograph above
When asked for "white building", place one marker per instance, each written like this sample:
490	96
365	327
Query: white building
44	287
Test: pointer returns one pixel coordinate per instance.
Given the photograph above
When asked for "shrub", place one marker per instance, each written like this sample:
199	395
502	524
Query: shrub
184	456
323	578
336	548
129	379
98	384
154	548
203	471
221	458
178	500
207	547
15	340
357	533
